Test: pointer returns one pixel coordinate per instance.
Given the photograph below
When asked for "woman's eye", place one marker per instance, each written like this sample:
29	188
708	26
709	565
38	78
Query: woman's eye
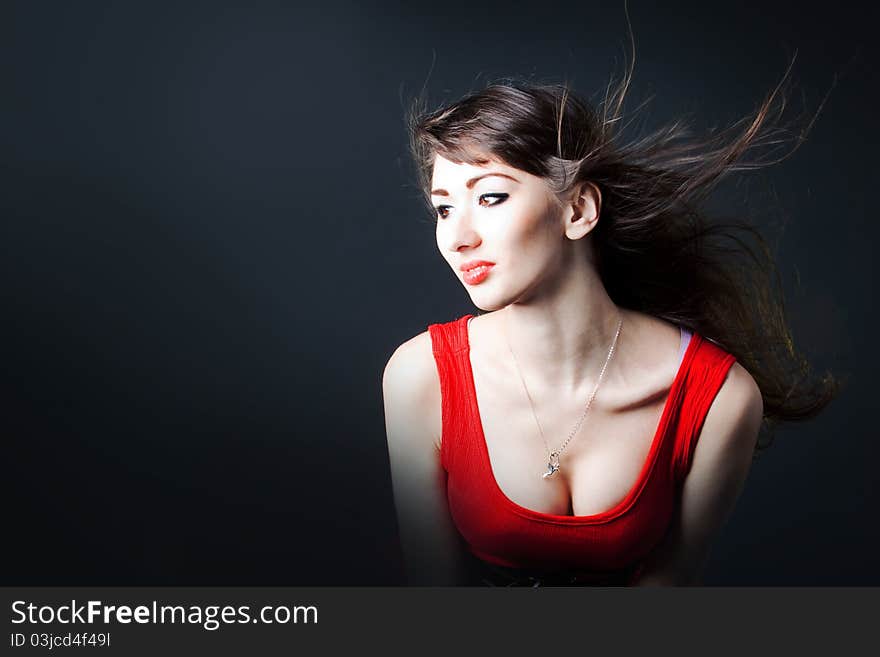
443	210
500	198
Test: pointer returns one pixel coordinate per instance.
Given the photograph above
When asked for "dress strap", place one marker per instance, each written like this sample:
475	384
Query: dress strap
704	379
449	345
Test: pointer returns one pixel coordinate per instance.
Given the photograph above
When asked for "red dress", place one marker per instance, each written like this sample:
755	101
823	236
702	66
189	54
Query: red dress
606	548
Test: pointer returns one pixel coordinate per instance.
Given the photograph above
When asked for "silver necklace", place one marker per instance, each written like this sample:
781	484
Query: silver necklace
553	460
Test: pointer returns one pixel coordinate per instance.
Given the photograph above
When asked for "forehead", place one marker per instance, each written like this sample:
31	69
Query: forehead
448	173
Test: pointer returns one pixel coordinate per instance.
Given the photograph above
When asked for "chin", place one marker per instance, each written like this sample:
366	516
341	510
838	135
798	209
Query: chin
489	303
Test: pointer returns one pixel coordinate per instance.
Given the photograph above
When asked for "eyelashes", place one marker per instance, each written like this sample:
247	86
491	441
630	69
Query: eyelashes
442	210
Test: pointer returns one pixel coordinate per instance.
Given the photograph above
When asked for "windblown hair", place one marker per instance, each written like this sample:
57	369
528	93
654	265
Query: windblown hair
656	249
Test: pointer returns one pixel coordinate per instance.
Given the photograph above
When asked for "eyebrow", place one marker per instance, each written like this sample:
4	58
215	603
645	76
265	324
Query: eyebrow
470	183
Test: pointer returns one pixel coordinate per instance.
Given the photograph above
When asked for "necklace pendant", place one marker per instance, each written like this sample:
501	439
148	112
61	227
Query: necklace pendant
552	465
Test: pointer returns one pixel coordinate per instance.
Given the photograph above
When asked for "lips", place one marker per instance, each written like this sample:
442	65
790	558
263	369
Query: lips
477	271
471	264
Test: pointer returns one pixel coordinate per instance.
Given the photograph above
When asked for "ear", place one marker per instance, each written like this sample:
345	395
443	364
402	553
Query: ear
582	210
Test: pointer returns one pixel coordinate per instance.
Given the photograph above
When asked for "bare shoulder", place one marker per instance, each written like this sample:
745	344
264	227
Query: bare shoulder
734	418
411	389
412	365
738	400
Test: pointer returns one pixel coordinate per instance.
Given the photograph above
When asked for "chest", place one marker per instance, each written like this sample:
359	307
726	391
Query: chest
601	463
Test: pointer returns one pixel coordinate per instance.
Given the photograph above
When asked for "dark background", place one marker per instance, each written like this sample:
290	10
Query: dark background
212	243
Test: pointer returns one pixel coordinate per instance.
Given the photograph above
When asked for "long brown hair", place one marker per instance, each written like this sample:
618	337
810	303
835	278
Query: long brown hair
657	249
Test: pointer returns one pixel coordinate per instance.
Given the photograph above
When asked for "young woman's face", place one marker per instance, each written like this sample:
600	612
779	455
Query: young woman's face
499	228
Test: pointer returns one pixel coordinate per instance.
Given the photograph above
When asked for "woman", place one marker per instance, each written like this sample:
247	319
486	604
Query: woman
596	423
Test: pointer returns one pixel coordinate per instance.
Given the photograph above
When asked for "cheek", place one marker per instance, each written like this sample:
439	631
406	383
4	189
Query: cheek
536	240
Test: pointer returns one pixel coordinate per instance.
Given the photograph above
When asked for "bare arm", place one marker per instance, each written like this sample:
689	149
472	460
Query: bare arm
411	389
719	469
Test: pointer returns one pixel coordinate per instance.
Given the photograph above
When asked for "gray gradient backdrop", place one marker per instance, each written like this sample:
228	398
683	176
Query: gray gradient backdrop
211	244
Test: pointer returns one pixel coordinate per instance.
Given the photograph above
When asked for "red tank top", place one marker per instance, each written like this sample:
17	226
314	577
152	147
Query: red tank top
607	547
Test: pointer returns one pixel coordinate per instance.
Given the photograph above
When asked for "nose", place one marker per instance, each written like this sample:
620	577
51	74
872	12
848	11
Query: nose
461	235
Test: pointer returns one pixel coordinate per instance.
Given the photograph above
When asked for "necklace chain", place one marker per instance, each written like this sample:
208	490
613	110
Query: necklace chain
553	463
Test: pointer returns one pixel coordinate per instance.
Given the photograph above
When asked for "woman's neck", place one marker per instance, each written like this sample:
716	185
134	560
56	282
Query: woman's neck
561	338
